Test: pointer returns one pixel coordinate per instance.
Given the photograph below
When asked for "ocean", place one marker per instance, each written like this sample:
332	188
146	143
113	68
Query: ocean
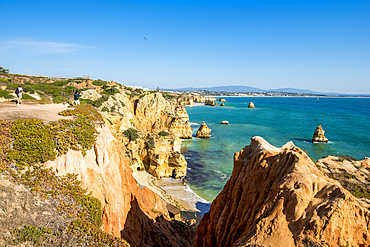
278	120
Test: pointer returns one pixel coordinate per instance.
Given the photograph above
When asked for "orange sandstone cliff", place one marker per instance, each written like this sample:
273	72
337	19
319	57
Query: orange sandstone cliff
136	214
278	197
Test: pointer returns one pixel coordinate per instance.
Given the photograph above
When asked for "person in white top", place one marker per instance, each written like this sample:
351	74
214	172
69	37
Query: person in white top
19	92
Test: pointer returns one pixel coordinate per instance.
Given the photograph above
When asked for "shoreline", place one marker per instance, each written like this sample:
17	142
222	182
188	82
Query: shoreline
175	192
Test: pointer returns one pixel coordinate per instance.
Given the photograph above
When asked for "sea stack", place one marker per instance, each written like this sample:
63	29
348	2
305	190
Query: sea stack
251	105
318	136
203	131
222	100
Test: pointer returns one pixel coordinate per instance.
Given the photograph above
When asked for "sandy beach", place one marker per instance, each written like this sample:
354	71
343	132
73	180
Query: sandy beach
175	192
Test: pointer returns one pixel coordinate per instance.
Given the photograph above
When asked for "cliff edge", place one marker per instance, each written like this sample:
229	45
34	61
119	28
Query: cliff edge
278	197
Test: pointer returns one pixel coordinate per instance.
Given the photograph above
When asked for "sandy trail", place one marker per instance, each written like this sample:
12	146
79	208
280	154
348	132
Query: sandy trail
46	113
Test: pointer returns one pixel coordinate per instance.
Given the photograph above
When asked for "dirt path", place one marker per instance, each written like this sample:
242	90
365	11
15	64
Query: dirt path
46	113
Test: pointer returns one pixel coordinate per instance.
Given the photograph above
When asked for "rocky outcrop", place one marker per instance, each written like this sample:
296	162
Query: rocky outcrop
318	136
278	197
105	172
222	104
151	113
251	105
203	131
222	100
156	154
210	102
225	122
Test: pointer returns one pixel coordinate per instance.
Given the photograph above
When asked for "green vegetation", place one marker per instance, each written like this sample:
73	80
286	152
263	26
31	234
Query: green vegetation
105	109
131	134
123	104
99	83
5	80
28	143
36	235
5	94
111	91
4	71
60	99
163	133
150	142
360	192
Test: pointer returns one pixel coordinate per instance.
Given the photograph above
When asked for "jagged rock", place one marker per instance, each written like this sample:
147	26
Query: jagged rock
222	100
90	94
251	105
210	102
318	136
105	171
224	122
222	104
203	131
278	197
158	155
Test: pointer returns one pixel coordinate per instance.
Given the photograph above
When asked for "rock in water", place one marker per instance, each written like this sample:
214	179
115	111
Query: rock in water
251	105
203	131
222	104
278	197
318	136
222	100
224	122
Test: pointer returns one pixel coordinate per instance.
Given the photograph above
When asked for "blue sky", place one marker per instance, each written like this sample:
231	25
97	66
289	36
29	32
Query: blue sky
318	45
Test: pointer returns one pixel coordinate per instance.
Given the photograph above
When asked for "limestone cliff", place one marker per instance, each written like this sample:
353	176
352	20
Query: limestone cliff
157	154
278	197
105	172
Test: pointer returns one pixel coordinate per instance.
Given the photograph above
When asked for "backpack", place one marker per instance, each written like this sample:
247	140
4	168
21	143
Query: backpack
17	91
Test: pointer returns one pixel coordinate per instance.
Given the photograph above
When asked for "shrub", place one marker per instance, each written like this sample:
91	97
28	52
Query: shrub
99	83
5	80
100	101
111	91
4	93
60	83
33	142
150	142
123	104
104	109
131	134
83	111
60	99
163	133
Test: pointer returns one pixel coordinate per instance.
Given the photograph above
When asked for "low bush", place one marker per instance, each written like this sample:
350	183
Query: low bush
163	133
131	134
111	91
4	93
99	83
60	99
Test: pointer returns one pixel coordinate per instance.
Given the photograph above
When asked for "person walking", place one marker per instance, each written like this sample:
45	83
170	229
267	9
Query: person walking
19	92
77	98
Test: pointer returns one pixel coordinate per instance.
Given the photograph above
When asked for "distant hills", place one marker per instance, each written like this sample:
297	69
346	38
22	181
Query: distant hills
246	89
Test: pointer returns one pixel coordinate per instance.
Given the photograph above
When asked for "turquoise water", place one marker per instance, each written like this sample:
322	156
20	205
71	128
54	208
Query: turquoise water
278	120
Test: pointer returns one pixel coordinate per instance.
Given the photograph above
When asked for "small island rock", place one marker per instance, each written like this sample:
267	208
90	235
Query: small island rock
318	136
251	105
224	122
222	100
222	104
211	102
203	131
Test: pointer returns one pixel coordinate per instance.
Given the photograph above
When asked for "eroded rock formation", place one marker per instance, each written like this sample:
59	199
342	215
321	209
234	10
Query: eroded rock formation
105	172
204	131
210	101
251	105
225	122
319	136
156	154
278	197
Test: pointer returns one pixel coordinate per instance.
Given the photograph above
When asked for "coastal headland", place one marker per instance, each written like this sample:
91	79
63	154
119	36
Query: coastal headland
108	172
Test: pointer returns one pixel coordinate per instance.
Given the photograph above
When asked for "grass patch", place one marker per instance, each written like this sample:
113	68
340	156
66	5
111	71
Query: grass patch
99	82
36	235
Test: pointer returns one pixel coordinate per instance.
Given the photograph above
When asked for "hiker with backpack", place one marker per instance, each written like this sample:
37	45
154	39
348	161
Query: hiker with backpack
19	92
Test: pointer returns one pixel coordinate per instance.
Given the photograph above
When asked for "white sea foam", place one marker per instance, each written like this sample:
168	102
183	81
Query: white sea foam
178	189
193	124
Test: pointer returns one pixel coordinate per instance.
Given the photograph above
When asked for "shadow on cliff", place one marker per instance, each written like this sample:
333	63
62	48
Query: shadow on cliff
141	231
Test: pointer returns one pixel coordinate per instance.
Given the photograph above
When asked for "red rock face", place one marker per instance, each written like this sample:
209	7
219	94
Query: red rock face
106	173
278	197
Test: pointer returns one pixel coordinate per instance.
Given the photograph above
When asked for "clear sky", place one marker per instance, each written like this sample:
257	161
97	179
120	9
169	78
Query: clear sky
318	45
